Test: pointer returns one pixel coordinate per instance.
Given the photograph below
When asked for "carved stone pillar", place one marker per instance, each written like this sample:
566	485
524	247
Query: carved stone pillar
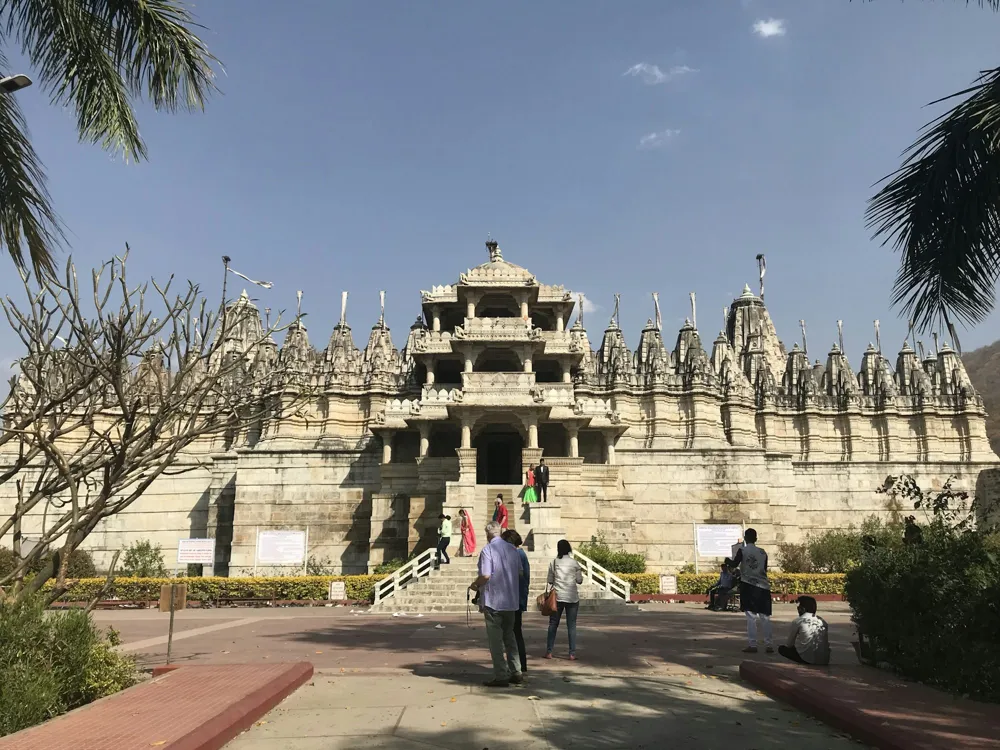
468	362
527	363
387	446
429	380
574	441
436	319
560	324
609	439
470	309
425	438
567	376
524	308
466	434
533	434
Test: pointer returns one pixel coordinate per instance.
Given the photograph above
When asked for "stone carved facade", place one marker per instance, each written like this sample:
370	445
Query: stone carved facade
640	444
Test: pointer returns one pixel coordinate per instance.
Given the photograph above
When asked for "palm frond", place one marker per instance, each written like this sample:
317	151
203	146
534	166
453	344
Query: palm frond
941	210
29	228
98	55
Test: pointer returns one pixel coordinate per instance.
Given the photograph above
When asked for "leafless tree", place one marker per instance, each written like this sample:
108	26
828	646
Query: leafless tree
116	383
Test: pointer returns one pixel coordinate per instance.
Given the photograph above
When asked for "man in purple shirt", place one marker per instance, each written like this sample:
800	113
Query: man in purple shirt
499	602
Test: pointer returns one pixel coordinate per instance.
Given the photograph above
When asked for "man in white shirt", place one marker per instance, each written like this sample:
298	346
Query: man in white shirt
809	637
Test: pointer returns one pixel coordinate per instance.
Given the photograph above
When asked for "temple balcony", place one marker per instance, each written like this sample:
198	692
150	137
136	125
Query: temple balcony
560	342
513	389
497	329
432	342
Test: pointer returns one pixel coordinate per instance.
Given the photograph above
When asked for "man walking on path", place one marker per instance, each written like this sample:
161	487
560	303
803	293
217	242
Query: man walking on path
755	591
542	480
497	586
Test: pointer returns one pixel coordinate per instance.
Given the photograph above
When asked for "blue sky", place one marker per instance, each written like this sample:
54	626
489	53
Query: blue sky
368	146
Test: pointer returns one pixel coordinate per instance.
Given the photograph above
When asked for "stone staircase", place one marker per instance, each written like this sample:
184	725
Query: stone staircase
444	591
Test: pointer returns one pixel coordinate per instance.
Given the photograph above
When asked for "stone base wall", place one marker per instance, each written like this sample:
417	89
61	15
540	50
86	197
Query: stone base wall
360	512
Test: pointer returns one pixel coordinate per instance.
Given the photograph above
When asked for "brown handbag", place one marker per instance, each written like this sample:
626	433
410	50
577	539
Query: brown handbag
548	605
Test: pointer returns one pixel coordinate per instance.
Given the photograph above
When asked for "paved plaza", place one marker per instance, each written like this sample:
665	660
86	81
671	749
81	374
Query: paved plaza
660	675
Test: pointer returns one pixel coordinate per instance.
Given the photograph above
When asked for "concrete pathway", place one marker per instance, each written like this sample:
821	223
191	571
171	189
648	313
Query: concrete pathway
577	708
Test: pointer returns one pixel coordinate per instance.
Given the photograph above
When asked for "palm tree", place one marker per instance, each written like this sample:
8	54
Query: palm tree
96	56
941	210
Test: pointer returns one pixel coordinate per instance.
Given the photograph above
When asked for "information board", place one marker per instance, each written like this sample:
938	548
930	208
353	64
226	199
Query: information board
668	584
338	591
716	539
281	547
196	552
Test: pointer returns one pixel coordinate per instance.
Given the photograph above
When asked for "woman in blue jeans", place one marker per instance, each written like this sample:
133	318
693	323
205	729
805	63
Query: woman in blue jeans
565	574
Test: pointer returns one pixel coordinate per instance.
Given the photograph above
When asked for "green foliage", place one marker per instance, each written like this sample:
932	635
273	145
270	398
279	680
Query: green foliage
81	564
319	566
53	663
837	550
143	560
930	607
7	561
688	568
212	589
781	583
616	561
389	566
642	583
794	558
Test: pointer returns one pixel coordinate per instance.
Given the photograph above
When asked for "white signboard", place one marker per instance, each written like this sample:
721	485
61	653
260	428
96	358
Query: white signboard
668	584
338	591
281	547
196	552
717	540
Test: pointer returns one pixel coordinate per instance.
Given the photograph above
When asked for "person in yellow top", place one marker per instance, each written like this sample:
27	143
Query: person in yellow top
444	539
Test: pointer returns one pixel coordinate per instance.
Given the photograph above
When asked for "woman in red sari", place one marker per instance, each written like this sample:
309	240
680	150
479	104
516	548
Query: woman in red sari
468	534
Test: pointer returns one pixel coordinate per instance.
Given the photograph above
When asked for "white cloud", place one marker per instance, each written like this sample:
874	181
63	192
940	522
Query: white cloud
589	306
770	27
657	139
652	75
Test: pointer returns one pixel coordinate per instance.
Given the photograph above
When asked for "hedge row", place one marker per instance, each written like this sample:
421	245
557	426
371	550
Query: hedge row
781	583
642	583
359	588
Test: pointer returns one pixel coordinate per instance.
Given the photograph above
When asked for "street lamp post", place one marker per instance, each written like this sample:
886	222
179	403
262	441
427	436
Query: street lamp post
14	83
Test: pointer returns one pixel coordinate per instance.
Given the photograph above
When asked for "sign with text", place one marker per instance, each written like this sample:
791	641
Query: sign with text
338	591
668	584
281	547
196	551
716	539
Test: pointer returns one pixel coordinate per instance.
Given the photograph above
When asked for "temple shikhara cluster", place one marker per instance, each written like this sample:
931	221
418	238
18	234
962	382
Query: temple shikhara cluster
499	371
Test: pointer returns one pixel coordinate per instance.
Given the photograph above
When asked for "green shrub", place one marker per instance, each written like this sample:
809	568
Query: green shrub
389	566
794	558
143	560
211	589
931	609
81	564
616	561
781	583
642	583
53	663
7	562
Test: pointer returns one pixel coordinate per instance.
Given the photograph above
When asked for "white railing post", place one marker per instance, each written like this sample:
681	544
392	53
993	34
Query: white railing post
611	583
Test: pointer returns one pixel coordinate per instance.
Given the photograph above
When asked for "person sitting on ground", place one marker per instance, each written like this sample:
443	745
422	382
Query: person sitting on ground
718	595
809	637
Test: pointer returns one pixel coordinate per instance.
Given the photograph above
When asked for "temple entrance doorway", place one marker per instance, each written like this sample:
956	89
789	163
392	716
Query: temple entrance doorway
498	455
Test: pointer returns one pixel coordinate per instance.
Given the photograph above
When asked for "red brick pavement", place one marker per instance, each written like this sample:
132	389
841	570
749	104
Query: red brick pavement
192	708
878	708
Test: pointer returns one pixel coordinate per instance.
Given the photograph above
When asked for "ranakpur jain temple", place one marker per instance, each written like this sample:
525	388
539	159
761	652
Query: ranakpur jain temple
641	444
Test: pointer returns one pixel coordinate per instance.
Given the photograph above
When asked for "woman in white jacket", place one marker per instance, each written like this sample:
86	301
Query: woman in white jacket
565	574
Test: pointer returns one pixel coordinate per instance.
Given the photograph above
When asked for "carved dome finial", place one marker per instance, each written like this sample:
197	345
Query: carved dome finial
494	250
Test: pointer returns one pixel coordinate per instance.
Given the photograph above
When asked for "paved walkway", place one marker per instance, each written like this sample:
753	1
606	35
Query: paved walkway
578	709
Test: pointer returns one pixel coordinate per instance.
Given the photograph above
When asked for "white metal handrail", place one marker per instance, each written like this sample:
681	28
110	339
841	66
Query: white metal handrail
604	578
418	567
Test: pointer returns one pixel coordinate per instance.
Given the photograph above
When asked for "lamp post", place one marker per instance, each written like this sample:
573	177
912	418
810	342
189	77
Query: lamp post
14	83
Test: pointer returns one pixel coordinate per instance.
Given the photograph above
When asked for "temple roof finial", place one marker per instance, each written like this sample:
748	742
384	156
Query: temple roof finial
494	250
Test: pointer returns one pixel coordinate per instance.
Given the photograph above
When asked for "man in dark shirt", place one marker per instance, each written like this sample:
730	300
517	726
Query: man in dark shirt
718	595
542	480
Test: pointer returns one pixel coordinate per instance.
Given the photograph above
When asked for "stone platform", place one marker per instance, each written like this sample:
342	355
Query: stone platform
190	708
